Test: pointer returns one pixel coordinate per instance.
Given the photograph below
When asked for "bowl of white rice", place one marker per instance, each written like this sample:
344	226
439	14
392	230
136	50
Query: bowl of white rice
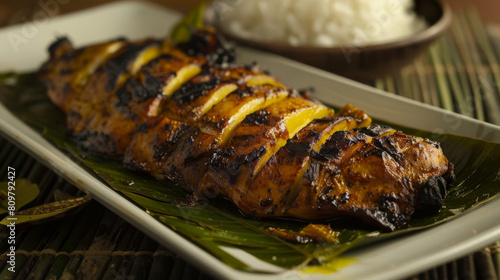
360	39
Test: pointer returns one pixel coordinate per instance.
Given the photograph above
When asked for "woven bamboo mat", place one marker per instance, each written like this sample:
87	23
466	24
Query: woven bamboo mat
459	73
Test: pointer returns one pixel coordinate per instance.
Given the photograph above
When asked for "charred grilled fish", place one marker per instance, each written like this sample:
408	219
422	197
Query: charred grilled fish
189	114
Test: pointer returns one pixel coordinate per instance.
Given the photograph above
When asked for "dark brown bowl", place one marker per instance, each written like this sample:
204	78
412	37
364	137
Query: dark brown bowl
368	62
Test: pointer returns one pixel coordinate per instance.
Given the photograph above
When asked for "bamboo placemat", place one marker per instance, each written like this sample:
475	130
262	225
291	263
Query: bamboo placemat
459	73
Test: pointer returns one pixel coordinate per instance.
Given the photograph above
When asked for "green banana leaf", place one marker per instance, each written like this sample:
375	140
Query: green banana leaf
48	212
21	190
218	227
181	32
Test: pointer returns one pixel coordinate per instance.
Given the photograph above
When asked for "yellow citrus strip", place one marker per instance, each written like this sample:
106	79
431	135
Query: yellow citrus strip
262	80
182	76
217	96
144	58
294	123
246	110
97	56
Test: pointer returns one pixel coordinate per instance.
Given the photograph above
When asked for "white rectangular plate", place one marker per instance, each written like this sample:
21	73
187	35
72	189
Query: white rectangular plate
24	47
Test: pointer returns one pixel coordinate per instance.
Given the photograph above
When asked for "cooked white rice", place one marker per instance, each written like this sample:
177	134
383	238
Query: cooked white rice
320	22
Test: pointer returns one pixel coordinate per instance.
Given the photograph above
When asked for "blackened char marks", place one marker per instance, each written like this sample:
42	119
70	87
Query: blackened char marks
243	92
196	87
153	78
140	93
67	89
219	162
61	44
298	148
307	93
312	172
339	141
433	194
130	54
212	46
122	63
326	199
388	220
266	202
374	130
143	128
257	118
385	145
345	197
123	94
66	71
163	148
92	142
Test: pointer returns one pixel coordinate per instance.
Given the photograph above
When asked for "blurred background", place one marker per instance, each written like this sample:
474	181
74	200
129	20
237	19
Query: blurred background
12	12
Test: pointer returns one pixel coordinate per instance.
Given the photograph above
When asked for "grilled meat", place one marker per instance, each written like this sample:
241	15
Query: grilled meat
189	114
